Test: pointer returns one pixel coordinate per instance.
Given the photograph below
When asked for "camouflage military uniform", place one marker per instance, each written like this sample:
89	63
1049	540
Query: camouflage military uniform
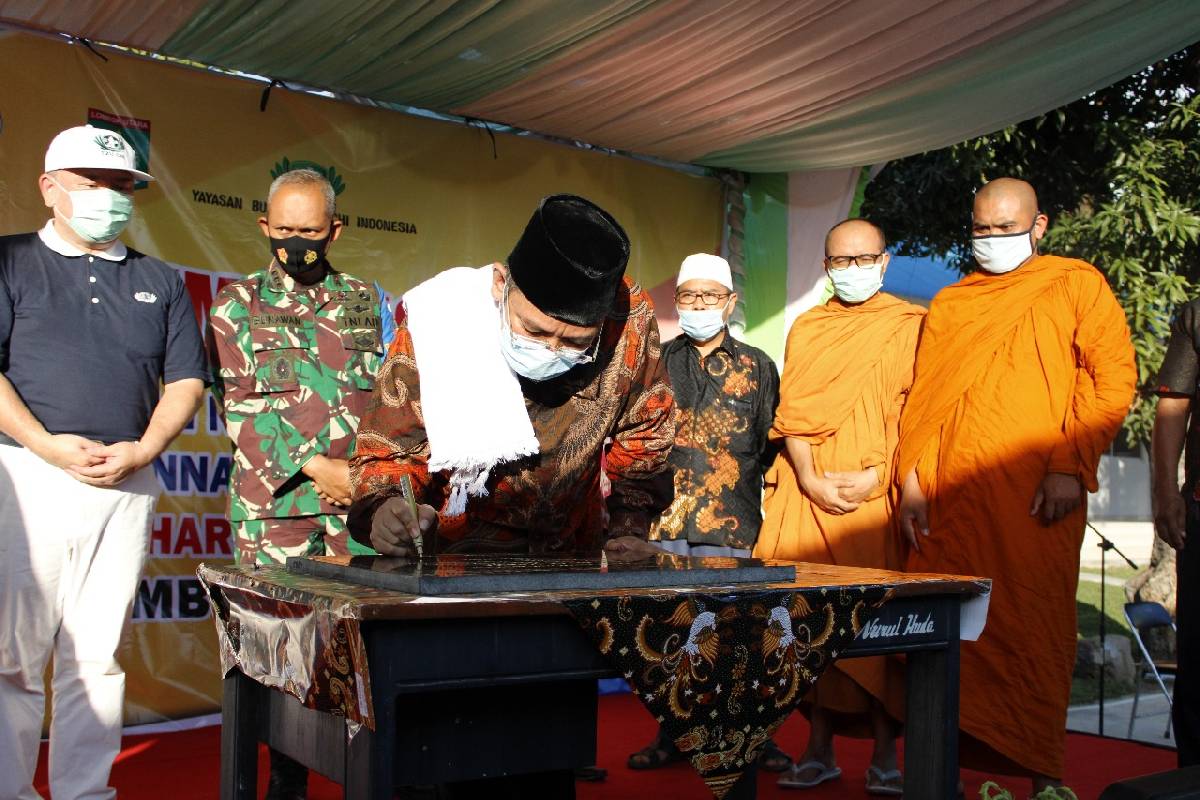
293	369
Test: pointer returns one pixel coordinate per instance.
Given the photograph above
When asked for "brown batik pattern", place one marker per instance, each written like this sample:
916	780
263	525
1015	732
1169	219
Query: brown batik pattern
721	673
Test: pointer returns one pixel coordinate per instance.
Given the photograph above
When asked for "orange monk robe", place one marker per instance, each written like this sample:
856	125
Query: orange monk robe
846	372
1017	375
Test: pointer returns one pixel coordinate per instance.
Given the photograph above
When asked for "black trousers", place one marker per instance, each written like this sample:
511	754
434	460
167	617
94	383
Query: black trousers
1186	714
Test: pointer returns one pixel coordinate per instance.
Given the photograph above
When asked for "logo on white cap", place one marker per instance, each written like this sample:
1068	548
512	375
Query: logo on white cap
110	142
89	147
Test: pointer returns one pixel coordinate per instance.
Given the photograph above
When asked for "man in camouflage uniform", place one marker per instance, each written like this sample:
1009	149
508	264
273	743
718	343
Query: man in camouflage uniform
295	349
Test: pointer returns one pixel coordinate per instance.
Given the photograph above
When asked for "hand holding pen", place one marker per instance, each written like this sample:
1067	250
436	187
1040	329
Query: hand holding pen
400	523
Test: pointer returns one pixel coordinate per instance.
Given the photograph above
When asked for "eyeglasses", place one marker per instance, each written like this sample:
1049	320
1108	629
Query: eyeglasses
583	355
710	298
860	260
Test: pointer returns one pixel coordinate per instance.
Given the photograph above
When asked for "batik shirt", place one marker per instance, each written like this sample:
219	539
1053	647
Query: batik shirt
1180	375
550	502
726	404
293	369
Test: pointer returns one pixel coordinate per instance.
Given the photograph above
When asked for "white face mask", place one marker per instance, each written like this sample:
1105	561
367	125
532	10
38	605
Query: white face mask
857	284
1003	253
97	215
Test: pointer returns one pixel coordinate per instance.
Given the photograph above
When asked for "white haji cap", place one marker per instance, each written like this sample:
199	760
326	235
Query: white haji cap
87	147
706	267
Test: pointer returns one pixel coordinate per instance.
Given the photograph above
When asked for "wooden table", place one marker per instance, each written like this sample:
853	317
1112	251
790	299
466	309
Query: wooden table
490	686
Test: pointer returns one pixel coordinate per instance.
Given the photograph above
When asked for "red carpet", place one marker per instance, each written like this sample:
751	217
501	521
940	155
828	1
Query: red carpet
185	766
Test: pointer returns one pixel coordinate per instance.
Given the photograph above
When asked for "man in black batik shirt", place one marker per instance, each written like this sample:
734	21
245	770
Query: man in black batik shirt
725	392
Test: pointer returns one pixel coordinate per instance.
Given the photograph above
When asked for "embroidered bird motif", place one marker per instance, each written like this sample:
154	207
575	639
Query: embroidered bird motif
702	640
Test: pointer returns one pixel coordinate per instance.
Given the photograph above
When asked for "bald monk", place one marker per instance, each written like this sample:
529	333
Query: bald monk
1024	374
848	368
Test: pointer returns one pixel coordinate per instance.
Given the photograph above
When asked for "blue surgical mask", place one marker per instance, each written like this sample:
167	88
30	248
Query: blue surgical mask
702	325
97	215
531	359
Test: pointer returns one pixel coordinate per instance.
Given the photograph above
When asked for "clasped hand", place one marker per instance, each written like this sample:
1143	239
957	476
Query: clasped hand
331	479
92	462
841	492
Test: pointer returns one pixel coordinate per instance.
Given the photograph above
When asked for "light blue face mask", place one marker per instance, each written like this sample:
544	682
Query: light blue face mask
702	325
531	359
97	215
857	284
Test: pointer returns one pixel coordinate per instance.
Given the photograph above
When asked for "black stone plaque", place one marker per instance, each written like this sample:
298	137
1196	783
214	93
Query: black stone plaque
900	625
447	574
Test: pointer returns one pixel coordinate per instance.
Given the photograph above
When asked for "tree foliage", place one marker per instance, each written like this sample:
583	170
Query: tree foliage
1118	172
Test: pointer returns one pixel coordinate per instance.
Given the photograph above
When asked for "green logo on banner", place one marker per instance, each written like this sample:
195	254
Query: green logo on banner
329	172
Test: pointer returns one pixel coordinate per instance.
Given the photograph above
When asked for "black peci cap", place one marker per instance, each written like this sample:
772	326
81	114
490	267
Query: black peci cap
570	260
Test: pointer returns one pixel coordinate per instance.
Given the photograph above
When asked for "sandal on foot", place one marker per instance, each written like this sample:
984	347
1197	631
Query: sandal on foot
884	782
654	755
773	759
792	780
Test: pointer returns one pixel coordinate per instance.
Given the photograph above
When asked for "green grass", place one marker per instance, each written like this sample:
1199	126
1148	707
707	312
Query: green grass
1124	572
1087	610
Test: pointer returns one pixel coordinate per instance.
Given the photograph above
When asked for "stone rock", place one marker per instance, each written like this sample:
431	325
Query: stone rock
1117	659
1156	584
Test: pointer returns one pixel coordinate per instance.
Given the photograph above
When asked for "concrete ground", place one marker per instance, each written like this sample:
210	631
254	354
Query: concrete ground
1134	539
1149	725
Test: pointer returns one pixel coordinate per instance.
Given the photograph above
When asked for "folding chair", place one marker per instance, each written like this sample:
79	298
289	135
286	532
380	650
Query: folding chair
1143	617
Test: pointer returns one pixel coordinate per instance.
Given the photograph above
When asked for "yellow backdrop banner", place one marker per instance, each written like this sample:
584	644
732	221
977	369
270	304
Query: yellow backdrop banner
417	195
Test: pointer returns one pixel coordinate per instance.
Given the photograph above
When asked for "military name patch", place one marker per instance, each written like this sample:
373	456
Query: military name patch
273	320
361	321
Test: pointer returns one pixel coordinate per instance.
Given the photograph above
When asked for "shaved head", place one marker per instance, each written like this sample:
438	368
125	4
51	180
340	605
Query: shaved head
1010	192
1005	206
852	237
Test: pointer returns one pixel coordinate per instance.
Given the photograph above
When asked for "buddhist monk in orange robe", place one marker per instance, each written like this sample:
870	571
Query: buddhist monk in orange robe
1024	374
847	371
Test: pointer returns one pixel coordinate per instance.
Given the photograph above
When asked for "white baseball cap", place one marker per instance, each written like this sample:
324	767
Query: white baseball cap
704	266
87	147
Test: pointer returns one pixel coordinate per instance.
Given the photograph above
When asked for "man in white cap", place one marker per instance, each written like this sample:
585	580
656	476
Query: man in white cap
101	366
726	392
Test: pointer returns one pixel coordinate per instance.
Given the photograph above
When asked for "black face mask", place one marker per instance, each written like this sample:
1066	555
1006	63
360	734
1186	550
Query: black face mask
302	259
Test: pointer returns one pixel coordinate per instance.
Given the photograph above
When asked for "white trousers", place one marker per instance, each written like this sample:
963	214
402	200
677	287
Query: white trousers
70	559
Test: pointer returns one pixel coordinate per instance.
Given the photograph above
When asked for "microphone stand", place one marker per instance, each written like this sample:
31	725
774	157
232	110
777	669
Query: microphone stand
1105	545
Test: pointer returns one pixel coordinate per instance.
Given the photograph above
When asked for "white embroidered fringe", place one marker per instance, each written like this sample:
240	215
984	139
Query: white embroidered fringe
474	410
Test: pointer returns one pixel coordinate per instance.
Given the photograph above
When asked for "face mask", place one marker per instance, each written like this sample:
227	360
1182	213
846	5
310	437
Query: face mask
302	259
530	358
857	284
97	215
702	325
1000	254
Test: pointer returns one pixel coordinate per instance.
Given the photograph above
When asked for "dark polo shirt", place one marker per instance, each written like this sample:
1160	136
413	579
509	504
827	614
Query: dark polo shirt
87	340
